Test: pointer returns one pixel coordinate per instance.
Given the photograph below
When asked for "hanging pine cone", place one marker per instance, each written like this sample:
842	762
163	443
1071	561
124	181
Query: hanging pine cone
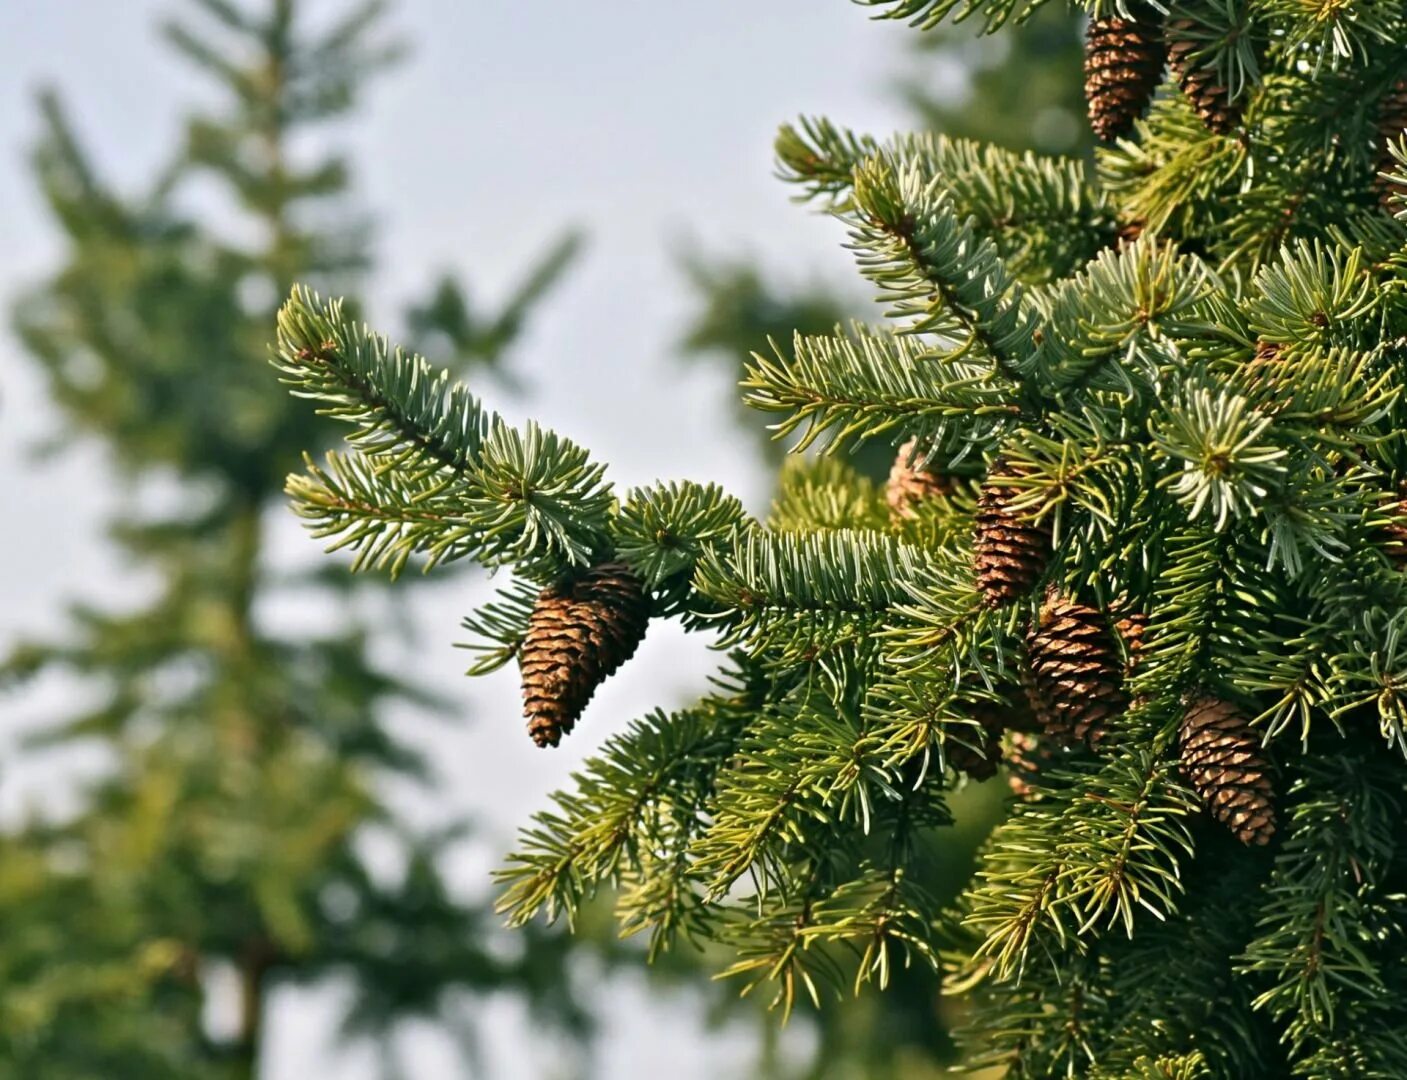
1123	64
1392	121
1076	682
1131	627
578	634
976	754
912	482
979	755
1221	758
1198	79
1009	553
1027	756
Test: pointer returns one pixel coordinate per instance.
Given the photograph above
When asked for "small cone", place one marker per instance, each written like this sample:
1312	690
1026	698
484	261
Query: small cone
1027	756
1131	628
975	764
578	634
1392	120
1076	680
981	762
911	483
1221	758
1123	64
1009	553
1198	80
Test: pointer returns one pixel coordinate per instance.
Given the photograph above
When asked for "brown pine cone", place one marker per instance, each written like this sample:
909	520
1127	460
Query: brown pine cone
976	754
1131	627
911	482
579	633
980	755
1009	552
1027	756
1221	758
1198	79
1075	683
1123	65
1392	120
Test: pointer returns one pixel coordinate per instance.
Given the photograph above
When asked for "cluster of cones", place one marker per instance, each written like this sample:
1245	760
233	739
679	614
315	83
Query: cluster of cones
1124	62
581	630
1075	673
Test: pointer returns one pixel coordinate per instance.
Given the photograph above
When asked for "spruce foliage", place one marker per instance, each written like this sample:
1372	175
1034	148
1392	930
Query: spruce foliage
1185	373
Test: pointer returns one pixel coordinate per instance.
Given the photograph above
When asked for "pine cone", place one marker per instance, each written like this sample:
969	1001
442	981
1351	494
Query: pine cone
1392	120
1199	80
578	634
911	482
1009	553
1075	683
977	764
982	762
1128	232
1123	64
1027	756
1131	628
1221	758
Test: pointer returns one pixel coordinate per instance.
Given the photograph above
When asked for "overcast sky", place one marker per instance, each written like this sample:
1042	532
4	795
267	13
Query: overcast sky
647	123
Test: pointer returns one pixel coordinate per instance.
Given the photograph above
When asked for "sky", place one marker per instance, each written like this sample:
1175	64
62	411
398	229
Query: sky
647	124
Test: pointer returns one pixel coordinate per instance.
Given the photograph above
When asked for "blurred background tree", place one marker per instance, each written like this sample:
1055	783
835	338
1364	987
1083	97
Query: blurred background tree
223	849
955	81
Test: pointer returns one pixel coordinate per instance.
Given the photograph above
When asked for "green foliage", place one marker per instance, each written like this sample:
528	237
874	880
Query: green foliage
244	766
1210	420
431	473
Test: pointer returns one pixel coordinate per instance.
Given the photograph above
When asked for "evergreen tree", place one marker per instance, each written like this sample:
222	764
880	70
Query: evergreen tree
246	763
740	308
1156	570
905	1032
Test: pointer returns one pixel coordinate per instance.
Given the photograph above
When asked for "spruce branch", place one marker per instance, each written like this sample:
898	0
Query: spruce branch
1112	841
1312	296
926	14
425	449
499	627
822	493
1228	465
845	388
1114	325
932	269
1315	947
663	531
645	786
770	577
1041	212
406	414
